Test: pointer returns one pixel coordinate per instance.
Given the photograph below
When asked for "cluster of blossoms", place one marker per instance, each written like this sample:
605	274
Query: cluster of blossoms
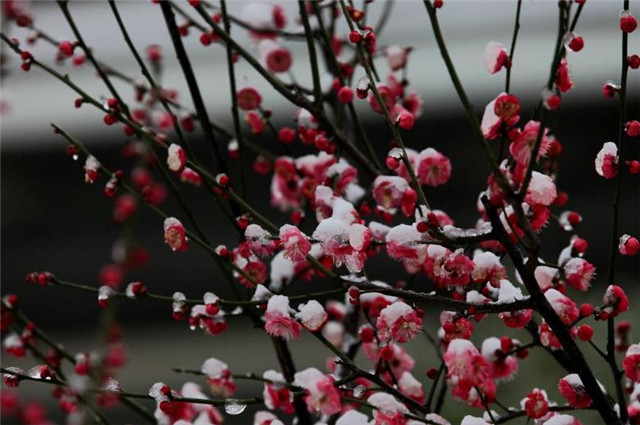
346	212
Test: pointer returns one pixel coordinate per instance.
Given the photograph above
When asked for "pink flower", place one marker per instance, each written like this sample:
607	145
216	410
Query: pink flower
433	168
505	108
176	158
501	366
495	57
398	322
628	245
396	57
321	395
333	233
541	190
278	319
572	389
388	411
248	98
312	315
274	57
448	268
412	388
579	273
564	82
631	363
296	244
615	300
522	146
607	161
259	240
174	234
388	97
488	268
218	377
91	169
466	367
563	306
276	394
536	404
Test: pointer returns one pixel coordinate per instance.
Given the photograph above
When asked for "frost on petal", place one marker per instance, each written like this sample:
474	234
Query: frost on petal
312	315
607	161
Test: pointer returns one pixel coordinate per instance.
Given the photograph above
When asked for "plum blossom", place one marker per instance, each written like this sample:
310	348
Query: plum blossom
631	363
495	57
628	245
176	158
392	193
398	322
504	109
278	319
572	389
524	142
501	366
260	241
389	411
488	268
411	387
579	273
218	377
466	367
91	169
432	168
277	395
174	234
321	396
273	56
541	190
607	161
448	268
564	307
312	315
535	404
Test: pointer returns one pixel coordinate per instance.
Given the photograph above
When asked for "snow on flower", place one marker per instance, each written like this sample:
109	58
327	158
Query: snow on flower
535	404
321	396
334	235
277	395
91	169
631	363
501	366
353	417
278	319
312	315
218	377
495	57
174	234
488	268
260	240
411	387
572	389
541	190
564	307
398	322
273	56
388	409
607	161
432	168
392	193
176	158
466	367
579	273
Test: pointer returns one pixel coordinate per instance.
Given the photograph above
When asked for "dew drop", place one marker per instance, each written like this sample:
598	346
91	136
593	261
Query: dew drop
234	406
75	157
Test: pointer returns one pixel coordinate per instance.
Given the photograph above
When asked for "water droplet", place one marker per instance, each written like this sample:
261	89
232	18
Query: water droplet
75	157
234	406
359	391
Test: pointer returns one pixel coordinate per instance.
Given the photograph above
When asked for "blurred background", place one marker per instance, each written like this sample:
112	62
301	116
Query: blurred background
52	220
